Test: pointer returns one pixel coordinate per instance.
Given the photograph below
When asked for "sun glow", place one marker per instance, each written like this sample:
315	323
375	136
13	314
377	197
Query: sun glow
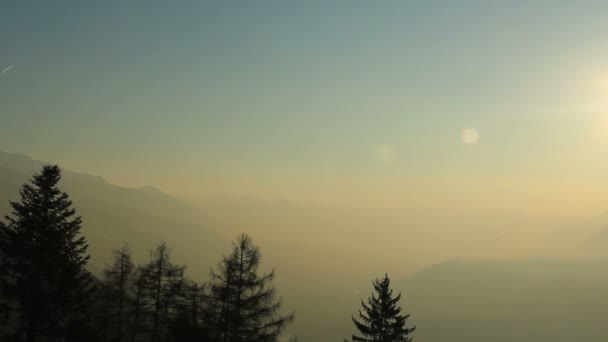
470	136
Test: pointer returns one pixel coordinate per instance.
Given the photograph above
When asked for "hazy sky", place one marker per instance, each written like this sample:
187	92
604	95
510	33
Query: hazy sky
498	104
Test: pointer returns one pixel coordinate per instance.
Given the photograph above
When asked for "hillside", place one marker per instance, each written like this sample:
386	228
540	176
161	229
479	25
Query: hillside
471	299
115	215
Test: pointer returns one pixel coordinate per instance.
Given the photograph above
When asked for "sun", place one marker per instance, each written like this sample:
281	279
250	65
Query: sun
470	136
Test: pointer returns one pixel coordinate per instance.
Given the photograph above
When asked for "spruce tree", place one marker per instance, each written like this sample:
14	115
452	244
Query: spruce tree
244	302
382	320
43	262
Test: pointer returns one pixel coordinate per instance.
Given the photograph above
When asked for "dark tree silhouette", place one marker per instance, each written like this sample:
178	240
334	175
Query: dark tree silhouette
193	302
244	303
382	320
140	308
188	324
103	316
43	262
5	307
116	279
165	281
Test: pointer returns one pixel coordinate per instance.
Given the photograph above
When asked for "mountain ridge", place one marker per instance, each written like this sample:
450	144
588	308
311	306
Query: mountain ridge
114	215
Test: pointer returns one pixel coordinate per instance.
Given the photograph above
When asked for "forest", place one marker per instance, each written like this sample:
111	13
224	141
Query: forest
47	293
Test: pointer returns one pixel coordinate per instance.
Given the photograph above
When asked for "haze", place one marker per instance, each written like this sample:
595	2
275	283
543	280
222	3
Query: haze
360	137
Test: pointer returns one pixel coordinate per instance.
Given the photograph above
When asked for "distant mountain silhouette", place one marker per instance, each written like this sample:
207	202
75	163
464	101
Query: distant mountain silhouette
532	299
114	215
151	190
323	271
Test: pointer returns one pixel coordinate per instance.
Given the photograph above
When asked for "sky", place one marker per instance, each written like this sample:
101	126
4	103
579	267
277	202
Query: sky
442	104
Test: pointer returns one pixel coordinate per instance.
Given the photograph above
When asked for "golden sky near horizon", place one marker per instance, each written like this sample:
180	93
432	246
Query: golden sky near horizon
497	107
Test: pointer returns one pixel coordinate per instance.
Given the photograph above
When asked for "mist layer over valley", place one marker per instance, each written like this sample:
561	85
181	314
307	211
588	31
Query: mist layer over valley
465	276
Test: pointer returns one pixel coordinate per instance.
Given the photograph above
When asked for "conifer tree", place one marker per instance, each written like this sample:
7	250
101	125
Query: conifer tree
103	315
382	320
193	299
164	282
5	307
43	262
189	322
244	302
116	282
140	308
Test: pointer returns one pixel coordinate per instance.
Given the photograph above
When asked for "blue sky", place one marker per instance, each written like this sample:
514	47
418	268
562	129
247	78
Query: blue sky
302	99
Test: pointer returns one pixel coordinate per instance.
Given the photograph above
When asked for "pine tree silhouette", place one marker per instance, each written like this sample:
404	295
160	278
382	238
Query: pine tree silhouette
188	324
140	308
244	303
164	285
43	262
382	320
116	282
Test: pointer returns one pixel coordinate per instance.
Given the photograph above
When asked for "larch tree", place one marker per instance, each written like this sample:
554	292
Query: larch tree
116	280
164	282
188	324
381	319
43	263
140	307
244	302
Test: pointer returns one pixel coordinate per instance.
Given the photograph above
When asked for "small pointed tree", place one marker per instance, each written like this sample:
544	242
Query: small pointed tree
43	262
244	303
381	319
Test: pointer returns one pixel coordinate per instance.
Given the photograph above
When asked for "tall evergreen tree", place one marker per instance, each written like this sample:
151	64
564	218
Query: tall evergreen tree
43	262
382	320
244	302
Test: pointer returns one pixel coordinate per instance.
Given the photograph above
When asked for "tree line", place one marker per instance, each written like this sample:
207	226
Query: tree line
48	295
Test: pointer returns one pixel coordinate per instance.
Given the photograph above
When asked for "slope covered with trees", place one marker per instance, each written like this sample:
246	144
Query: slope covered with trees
115	215
47	293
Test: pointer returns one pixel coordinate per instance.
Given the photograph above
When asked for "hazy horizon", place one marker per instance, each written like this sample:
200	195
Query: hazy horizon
367	107
385	136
